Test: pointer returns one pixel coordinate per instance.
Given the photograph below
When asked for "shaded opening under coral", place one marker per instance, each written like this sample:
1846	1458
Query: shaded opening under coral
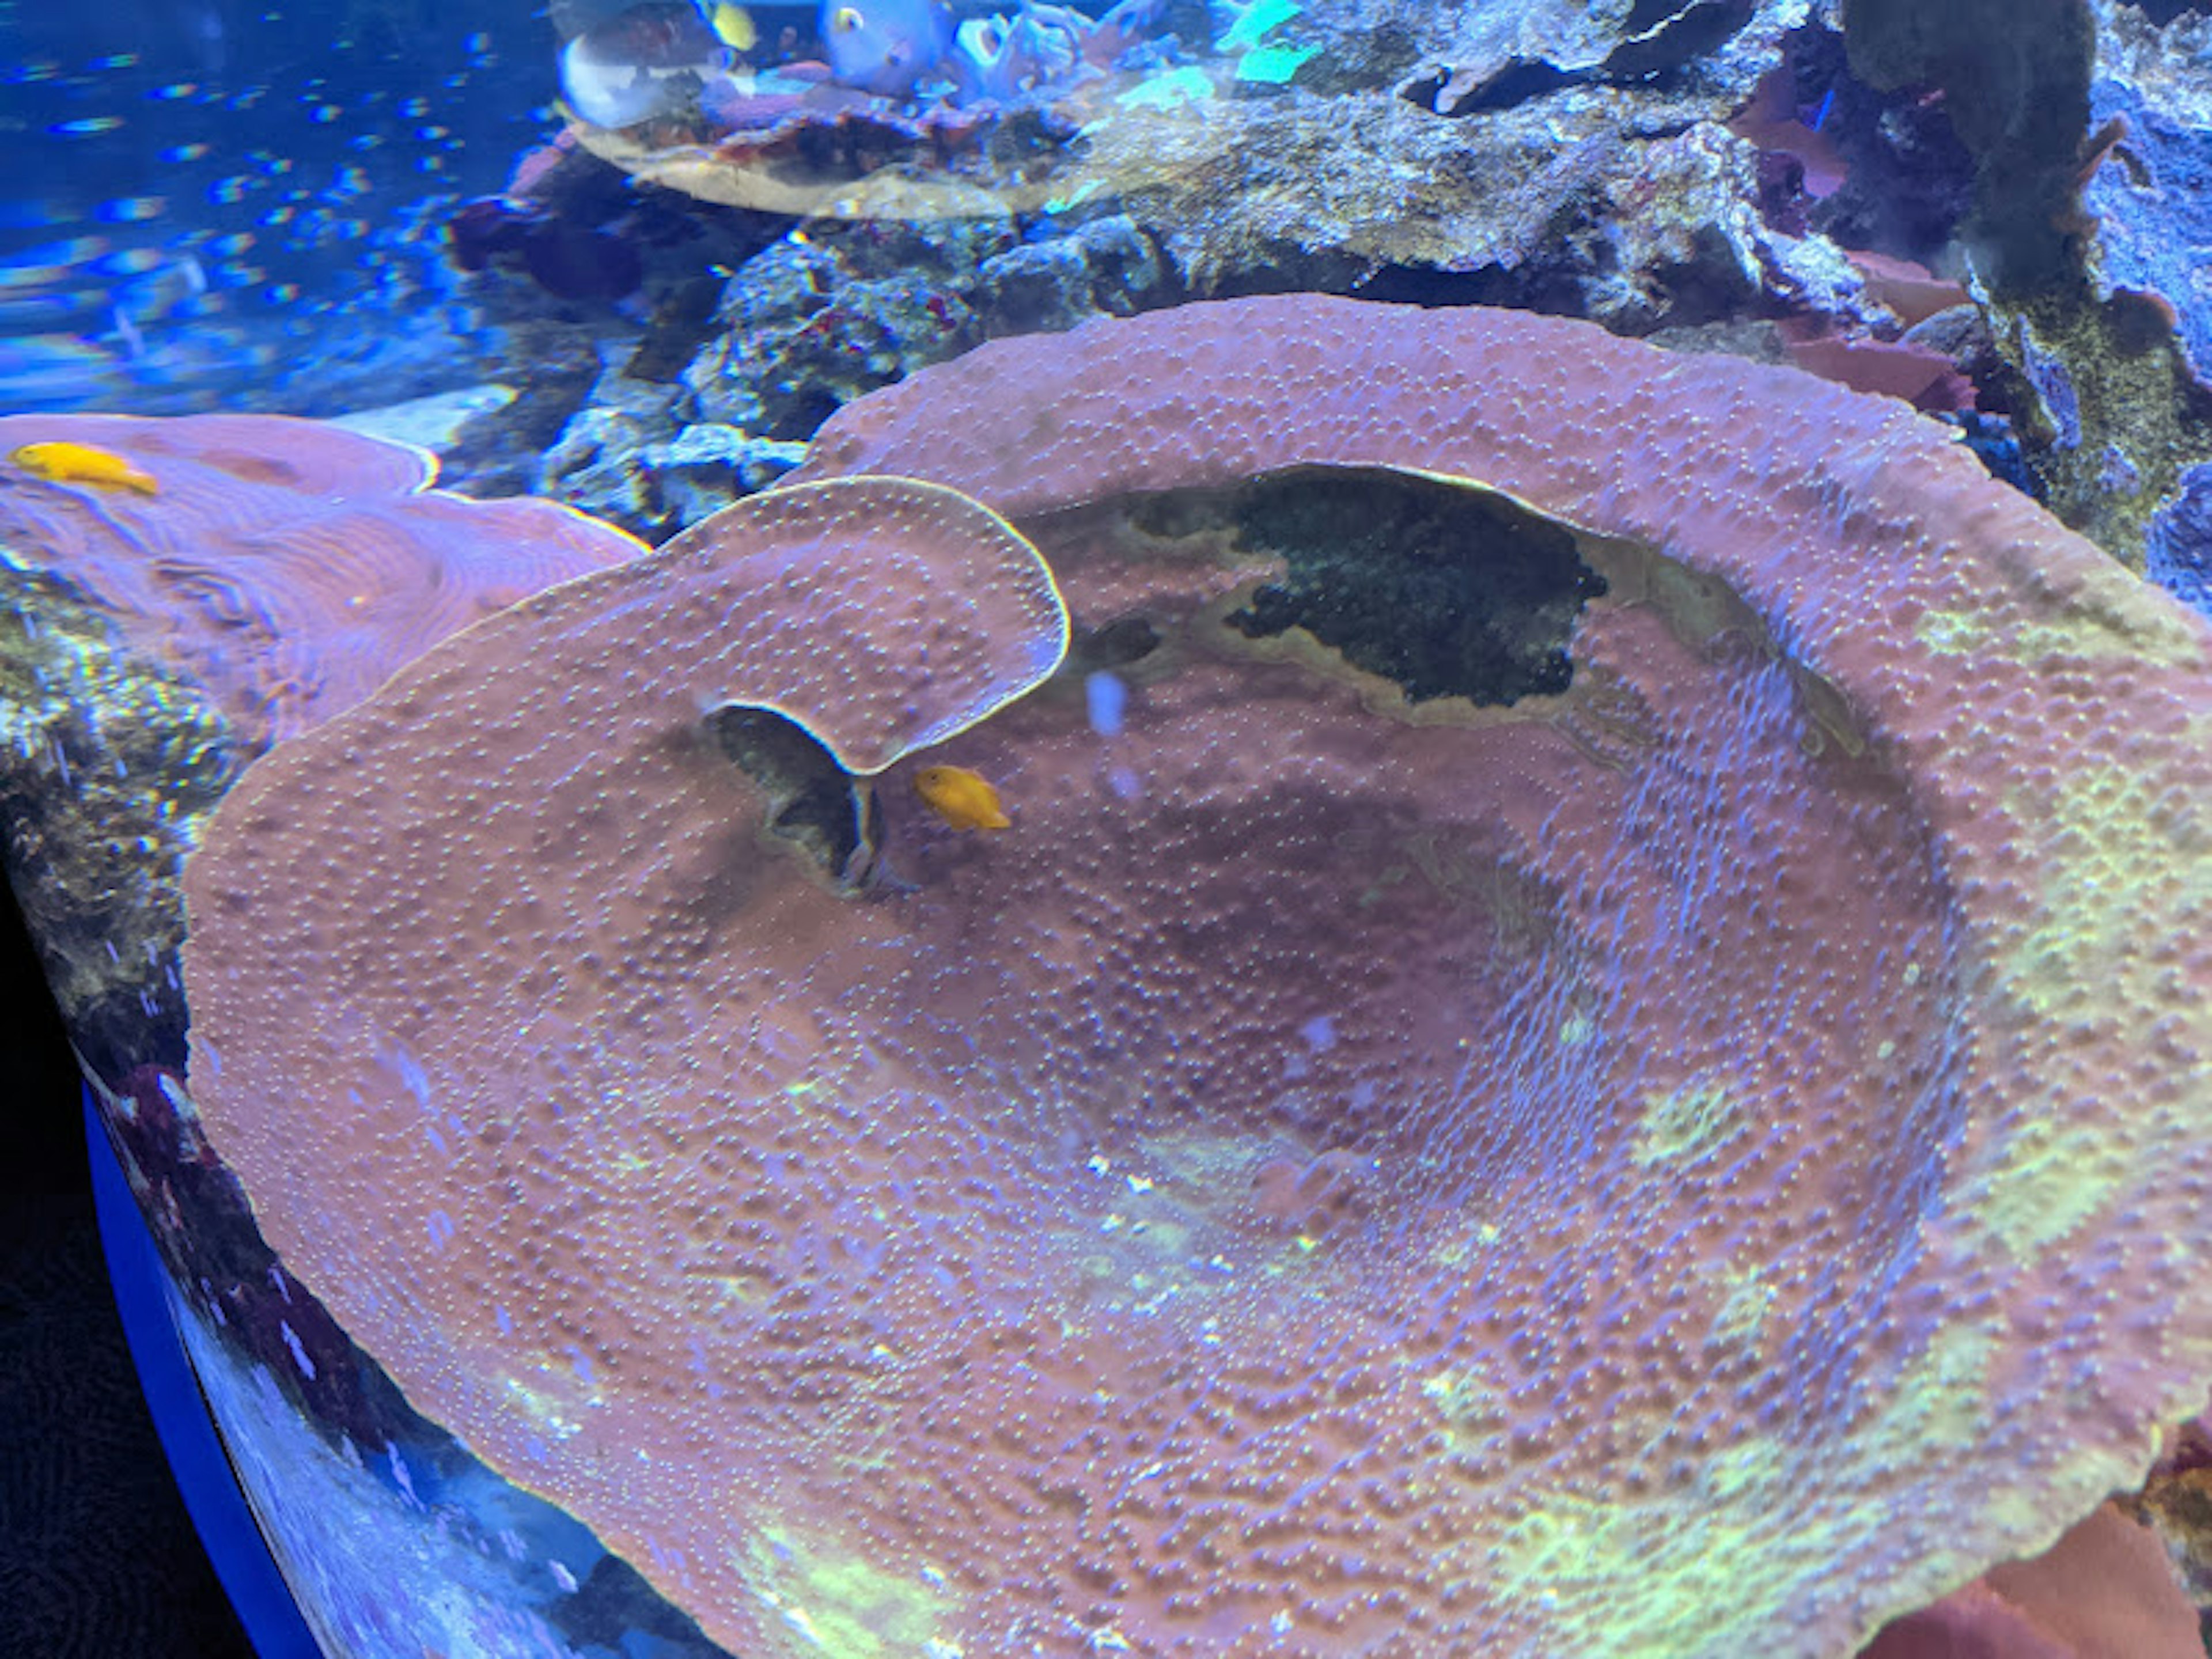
833	819
1440	588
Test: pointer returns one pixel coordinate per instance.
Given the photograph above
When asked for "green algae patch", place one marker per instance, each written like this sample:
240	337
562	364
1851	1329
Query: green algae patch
1474	1409
1688	1124
1704	1561
1705	1557
1275	65
1941	1393
1951	633
838	1606
2118	833
2105	625
2056	1176
1741	1320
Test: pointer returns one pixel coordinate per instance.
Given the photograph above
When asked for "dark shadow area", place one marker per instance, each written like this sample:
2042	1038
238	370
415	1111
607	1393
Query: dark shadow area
1446	590
97	1555
813	802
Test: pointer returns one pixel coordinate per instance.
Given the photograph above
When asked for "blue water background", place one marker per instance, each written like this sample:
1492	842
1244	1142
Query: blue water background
216	205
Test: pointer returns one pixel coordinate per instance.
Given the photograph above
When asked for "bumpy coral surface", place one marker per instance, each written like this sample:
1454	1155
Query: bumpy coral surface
1694	1162
286	565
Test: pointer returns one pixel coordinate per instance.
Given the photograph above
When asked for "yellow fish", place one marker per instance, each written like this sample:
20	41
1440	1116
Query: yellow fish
67	463
733	25
963	798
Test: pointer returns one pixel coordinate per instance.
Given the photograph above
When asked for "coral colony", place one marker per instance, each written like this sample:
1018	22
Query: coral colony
1222	830
1342	1175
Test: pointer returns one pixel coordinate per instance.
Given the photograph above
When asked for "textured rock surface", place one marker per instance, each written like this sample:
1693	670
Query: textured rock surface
2093	138
2151	193
2022	108
1491	137
1698	1162
107	766
2177	550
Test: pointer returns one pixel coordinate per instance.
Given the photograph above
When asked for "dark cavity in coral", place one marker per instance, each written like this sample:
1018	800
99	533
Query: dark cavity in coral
831	817
1113	645
1444	590
1517	81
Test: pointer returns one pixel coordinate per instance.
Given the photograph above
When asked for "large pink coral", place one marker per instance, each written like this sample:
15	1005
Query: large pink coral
1697	1163
288	565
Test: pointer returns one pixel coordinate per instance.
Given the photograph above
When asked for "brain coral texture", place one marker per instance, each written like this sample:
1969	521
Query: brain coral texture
1692	1164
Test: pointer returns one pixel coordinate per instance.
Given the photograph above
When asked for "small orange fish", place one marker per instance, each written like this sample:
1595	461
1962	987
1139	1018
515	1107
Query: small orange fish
963	798
67	463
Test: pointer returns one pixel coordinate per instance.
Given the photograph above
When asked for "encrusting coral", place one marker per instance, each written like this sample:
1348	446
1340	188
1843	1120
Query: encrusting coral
1697	1159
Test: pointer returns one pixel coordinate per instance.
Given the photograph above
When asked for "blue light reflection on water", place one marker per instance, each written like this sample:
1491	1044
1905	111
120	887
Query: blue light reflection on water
217	195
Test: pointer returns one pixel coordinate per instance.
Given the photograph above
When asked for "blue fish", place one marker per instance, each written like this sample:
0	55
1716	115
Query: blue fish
884	46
